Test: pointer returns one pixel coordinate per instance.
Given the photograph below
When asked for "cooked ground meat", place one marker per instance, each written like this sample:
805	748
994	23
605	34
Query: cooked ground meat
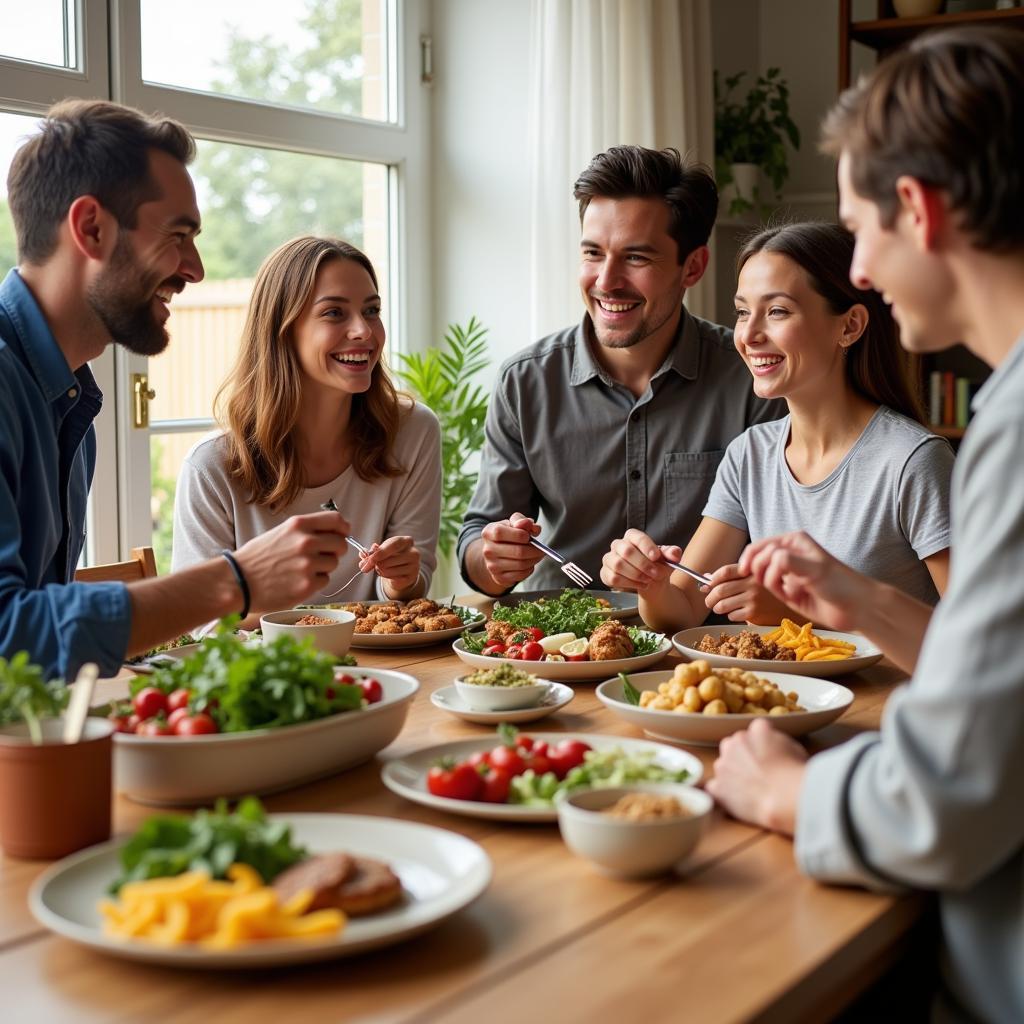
746	644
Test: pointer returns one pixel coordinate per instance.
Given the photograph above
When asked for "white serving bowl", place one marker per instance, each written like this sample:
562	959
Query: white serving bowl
187	770
335	638
632	849
501	698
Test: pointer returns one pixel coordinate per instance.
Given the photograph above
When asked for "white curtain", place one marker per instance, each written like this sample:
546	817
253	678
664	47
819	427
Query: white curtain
607	73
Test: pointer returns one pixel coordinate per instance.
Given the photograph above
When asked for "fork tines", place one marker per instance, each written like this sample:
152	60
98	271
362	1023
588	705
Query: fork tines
577	575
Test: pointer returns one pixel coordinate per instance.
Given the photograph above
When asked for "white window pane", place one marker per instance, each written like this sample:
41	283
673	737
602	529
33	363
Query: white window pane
252	200
14	129
327	55
42	31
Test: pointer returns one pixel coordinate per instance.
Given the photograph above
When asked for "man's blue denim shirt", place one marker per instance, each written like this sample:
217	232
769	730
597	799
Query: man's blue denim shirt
47	459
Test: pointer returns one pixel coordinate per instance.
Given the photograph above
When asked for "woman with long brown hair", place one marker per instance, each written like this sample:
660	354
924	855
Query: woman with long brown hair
311	416
851	463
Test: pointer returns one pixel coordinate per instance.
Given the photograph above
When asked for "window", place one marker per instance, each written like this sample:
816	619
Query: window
309	119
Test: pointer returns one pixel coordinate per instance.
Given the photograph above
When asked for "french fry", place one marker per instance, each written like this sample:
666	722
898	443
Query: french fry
807	645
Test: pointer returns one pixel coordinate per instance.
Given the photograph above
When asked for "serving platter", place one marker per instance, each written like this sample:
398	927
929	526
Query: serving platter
393	641
866	654
407	776
441	872
569	671
825	702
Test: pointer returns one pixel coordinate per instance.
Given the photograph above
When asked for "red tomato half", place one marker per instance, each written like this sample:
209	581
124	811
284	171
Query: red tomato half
493	650
566	756
372	690
532	651
149	701
457	782
200	724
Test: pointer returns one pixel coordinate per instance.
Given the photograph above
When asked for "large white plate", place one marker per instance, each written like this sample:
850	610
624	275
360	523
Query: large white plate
396	640
568	671
184	770
866	654
407	776
447	698
825	702
623	605
441	873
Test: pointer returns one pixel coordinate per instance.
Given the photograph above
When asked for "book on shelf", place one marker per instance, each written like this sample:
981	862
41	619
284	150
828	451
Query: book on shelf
949	399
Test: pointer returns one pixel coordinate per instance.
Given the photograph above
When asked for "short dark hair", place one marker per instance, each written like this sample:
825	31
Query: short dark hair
877	366
87	148
949	111
630	172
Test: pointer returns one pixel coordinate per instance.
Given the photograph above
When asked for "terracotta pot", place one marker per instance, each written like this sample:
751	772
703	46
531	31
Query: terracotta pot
55	798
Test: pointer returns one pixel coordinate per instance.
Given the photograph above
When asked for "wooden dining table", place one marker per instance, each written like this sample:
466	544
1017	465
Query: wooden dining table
735	934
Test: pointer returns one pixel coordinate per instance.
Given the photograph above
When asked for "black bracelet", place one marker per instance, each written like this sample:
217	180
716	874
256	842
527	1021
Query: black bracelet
242	585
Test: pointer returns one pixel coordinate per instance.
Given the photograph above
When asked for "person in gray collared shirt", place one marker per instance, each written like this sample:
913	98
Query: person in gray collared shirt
622	420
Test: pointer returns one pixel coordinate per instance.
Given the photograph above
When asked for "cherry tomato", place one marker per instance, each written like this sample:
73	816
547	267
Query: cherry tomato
532	651
176	716
121	723
513	650
566	756
539	747
134	722
344	679
509	759
457	781
540	763
149	701
372	690
496	786
154	727
526	743
200	724
479	757
536	633
493	650
178	699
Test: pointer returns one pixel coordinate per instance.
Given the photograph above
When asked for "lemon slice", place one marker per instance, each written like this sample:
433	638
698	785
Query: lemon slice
575	648
553	644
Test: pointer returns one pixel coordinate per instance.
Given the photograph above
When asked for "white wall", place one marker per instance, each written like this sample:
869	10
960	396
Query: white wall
481	189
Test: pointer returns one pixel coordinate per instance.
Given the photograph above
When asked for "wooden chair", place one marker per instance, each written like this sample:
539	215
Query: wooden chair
141	566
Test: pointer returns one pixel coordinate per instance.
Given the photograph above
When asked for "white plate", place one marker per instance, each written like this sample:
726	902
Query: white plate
408	776
396	640
825	702
441	873
568	671
183	770
623	605
447	699
865	655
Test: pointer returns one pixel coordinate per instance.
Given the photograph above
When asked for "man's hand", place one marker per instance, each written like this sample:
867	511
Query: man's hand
291	562
758	776
398	562
506	552
743	599
634	562
803	575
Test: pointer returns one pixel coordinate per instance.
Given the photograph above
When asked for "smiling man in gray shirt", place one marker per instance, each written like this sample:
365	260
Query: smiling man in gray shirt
620	421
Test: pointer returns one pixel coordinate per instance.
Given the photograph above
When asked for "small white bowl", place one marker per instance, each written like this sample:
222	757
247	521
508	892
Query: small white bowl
335	638
632	849
501	698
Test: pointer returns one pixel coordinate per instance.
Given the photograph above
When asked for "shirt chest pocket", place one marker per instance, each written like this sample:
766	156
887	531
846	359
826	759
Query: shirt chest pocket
688	478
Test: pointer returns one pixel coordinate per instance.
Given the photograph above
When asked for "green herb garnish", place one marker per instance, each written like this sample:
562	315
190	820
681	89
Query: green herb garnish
168	845
630	693
26	696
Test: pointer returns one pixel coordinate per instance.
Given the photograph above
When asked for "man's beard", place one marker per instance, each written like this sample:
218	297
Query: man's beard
122	298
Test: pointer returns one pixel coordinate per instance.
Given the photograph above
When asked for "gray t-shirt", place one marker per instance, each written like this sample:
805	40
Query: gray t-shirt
881	510
213	512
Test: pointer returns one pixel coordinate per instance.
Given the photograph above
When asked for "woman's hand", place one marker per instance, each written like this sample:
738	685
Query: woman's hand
758	776
743	599
800	572
635	562
398	562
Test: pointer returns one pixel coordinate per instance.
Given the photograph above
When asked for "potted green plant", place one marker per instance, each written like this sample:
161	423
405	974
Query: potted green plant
442	379
751	135
55	796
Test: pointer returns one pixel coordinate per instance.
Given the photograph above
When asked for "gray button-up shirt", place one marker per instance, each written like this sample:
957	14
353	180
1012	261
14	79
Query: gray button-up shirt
936	800
574	448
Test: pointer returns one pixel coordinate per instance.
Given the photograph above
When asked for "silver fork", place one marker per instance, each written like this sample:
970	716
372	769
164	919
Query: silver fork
692	573
330	506
578	576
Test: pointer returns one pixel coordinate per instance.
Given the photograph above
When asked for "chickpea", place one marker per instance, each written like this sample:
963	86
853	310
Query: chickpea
733	697
754	693
647	697
774	699
663	689
711	688
661	704
753	709
691	699
716	707
779	709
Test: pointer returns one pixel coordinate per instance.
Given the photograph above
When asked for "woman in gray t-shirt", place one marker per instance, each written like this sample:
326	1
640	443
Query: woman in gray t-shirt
851	463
